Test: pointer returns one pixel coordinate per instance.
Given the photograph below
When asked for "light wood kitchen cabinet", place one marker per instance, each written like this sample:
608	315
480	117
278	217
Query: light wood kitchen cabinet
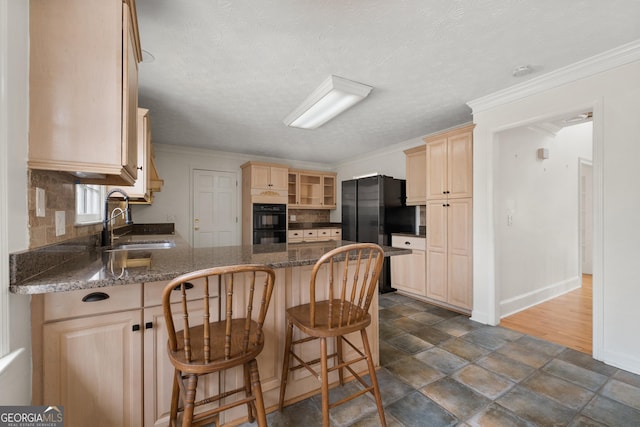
84	58
408	271
416	164
148	180
92	356
449	160
449	274
311	189
268	177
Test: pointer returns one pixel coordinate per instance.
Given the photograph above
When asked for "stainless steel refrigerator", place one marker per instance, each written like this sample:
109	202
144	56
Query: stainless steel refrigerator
372	209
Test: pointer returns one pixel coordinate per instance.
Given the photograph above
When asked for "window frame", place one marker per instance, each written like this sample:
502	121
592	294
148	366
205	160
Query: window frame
90	196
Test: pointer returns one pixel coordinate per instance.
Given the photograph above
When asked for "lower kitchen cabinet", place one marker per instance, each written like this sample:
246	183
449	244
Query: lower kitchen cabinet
93	368
408	271
92	356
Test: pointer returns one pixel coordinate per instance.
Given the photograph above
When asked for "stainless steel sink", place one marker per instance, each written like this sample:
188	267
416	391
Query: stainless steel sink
141	246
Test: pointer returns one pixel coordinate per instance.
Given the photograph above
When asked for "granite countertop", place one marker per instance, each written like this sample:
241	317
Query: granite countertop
94	267
409	235
310	225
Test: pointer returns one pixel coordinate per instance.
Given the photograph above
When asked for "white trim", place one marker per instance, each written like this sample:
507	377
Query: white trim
4	178
522	302
605	61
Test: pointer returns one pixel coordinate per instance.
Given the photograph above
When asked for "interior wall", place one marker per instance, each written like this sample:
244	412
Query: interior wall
389	161
175	165
15	377
536	214
613	95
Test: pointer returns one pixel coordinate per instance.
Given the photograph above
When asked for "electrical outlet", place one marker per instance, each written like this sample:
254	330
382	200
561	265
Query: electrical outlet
40	202
60	223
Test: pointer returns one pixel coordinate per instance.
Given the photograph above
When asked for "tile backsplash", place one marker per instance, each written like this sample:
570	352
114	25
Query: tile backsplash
310	215
60	195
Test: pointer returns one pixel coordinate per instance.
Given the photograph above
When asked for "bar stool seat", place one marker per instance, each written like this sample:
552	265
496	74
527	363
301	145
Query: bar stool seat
233	339
350	287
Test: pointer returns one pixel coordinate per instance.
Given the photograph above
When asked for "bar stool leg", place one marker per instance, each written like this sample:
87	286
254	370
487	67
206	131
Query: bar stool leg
189	399
374	378
340	359
248	393
257	393
175	399
285	363
325	382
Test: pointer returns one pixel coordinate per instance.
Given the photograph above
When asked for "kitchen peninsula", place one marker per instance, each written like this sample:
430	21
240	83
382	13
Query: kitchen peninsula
99	344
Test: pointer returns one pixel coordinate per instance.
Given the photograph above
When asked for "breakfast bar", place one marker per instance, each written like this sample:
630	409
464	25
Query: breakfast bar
105	302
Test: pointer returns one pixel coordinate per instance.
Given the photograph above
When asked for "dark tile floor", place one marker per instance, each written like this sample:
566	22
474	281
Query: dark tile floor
441	369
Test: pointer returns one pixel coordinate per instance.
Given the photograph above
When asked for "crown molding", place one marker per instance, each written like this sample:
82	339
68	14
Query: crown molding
605	61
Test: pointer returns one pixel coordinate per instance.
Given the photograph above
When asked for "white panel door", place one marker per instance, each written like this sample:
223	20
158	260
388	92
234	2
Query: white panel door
214	208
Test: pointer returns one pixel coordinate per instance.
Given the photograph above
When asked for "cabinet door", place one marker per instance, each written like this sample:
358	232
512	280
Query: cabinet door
416	163
329	191
460	166
93	367
293	196
436	250
310	188
279	178
140	192
129	96
261	177
459	252
436	163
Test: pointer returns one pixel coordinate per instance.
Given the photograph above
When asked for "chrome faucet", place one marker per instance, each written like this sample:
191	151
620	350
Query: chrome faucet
106	237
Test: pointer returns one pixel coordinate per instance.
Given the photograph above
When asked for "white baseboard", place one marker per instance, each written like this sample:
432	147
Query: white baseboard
622	361
522	302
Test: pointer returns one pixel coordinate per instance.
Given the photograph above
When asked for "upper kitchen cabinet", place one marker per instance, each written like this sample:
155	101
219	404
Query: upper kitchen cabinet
449	160
84	57
265	182
416	175
148	180
312	189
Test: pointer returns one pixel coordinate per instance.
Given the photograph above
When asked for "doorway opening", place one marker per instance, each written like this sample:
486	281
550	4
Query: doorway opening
544	222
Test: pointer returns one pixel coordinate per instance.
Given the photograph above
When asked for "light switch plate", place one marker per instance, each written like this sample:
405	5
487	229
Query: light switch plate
60	223
40	202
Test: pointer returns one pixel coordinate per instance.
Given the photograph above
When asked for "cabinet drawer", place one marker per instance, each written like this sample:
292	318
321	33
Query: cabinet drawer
153	292
408	242
294	234
310	235
324	234
336	232
65	305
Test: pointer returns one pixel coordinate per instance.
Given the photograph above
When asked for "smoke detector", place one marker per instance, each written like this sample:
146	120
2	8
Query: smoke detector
522	70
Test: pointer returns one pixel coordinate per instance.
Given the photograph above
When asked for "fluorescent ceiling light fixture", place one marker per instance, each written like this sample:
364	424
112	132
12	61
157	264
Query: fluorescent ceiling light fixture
334	96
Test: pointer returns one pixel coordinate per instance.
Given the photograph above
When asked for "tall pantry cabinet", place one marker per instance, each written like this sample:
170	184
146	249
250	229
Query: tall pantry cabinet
449	216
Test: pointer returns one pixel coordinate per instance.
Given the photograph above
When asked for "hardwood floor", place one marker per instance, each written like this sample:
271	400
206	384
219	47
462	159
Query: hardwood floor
564	320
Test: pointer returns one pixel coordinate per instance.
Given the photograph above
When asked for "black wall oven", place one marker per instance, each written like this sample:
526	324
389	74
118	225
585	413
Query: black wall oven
269	223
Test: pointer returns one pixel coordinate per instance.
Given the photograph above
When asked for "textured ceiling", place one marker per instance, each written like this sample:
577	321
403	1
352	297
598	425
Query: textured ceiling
226	73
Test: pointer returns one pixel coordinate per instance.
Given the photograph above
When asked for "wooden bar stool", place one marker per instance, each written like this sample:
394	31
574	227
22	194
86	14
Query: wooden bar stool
213	342
349	289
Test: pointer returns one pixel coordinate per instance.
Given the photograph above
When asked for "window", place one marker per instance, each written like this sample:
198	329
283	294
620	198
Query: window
89	203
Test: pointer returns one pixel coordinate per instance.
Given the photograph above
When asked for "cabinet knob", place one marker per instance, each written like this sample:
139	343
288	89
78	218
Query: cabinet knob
139	168
407	243
135	328
148	325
